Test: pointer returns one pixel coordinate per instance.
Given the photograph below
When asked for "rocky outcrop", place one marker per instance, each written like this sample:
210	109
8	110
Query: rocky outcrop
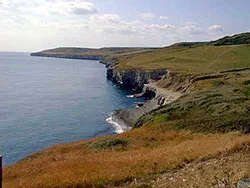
161	95
156	97
140	81
143	82
133	79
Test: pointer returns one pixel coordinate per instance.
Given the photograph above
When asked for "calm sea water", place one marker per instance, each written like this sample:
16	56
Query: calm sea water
45	101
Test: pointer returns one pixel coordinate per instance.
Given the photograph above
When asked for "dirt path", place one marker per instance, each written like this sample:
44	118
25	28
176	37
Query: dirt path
223	171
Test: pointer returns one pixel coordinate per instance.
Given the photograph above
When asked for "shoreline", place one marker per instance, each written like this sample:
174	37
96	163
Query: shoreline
124	120
118	124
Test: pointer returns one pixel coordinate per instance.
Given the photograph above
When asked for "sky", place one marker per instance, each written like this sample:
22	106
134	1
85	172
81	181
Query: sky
33	25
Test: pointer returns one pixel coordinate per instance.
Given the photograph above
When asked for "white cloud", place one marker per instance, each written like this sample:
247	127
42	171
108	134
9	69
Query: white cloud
215	28
83	8
215	32
30	25
147	15
46	7
111	18
163	18
192	29
160	27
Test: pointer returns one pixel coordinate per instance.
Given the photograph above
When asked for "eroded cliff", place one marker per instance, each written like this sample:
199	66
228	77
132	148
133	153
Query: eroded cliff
133	79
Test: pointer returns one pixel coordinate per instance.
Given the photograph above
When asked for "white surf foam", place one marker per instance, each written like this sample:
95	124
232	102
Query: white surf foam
130	96
119	127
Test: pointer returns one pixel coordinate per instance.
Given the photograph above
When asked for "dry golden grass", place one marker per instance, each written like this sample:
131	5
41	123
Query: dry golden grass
225	170
150	151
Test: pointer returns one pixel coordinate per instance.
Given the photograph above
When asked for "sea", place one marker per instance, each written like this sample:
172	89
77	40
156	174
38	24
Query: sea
48	101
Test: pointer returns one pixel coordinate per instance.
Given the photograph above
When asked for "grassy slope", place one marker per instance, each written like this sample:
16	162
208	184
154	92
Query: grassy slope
213	105
200	59
173	136
149	152
243	38
222	171
115	51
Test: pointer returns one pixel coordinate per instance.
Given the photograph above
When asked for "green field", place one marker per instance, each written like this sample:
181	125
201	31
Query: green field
188	57
195	59
104	52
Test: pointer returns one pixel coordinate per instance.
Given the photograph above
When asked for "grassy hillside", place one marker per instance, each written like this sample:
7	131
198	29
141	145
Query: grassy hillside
96	52
224	107
197	59
186	57
243	38
194	57
118	160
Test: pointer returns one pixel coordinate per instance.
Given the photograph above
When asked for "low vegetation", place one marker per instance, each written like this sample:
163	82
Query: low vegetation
196	60
109	143
150	152
243	38
104	52
213	106
246	82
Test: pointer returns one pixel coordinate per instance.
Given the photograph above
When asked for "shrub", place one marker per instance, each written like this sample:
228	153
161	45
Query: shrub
246	82
218	83
109	143
161	118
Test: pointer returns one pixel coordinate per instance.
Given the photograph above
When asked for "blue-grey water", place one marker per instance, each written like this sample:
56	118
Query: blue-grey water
46	101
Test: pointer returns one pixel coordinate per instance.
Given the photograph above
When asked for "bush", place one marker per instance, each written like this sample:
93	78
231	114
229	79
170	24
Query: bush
218	83
161	118
109	143
246	82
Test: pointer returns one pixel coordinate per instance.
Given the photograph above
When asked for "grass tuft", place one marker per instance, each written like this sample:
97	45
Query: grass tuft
246	82
109	143
218	83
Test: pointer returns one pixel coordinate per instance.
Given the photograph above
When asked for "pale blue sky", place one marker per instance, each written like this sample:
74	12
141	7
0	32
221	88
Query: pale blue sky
31	25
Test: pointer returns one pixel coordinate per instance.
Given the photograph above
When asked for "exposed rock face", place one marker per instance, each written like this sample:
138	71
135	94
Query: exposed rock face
144	82
156	96
138	80
133	79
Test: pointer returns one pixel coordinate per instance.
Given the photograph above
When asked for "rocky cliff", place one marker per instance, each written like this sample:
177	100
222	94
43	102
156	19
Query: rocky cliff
145	83
141	81
133	79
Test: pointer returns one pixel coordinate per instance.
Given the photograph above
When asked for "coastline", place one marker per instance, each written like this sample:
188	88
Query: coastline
195	114
125	119
118	124
143	82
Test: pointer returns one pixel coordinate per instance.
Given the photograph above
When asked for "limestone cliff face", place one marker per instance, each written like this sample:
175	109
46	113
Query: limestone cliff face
133	79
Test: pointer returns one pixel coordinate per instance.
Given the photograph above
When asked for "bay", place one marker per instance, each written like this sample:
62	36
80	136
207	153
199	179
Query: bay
47	101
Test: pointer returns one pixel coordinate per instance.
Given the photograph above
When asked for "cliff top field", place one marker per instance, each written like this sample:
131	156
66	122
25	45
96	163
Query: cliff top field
203	134
194	59
204	57
111	51
188	57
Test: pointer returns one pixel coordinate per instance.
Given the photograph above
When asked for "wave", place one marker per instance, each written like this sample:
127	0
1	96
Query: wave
119	126
130	96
